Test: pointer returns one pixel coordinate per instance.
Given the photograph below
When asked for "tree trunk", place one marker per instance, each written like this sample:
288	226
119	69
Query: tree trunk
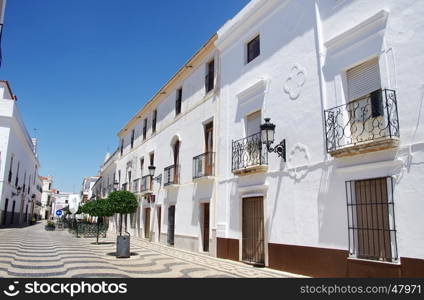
98	228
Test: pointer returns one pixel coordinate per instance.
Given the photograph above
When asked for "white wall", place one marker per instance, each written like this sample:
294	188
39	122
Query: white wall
14	140
197	109
305	198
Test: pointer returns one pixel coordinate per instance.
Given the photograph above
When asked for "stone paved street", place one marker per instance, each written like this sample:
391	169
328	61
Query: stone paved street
34	252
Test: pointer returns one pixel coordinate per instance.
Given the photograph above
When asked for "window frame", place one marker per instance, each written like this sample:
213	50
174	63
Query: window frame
154	120
359	210
178	101
210	83
250	57
144	129
132	138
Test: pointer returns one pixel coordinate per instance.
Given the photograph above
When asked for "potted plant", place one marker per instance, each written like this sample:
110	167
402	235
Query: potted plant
50	226
123	203
100	208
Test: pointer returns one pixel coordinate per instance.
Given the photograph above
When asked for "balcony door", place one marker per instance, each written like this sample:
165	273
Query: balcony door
253	247
252	154
208	149
176	161
365	104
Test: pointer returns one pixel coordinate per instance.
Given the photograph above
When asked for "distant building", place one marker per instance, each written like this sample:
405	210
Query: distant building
63	200
87	185
47	197
105	183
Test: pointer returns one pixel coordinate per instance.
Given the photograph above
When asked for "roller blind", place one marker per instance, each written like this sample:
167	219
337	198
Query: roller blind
253	123
363	79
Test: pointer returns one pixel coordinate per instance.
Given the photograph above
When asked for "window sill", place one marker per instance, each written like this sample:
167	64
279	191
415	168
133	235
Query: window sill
253	62
397	263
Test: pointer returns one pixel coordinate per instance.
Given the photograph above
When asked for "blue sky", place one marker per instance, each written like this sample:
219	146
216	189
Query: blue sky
82	68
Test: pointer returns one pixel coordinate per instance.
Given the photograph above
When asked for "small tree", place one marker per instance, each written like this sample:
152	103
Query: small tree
123	203
98	208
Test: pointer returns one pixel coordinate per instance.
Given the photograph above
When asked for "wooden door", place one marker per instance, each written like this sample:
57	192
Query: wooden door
253	248
147	223
206	227
209	149
159	216
171	224
5	211
12	220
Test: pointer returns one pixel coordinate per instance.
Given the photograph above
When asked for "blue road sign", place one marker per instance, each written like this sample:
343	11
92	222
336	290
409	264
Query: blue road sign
58	212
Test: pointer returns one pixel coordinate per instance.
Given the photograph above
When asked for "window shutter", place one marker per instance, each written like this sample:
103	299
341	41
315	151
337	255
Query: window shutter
363	79
253	123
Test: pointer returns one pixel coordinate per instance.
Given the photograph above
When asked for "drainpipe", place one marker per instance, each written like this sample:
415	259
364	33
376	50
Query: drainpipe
321	53
215	135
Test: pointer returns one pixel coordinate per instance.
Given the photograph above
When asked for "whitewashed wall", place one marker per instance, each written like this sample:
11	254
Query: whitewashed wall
305	198
188	127
15	140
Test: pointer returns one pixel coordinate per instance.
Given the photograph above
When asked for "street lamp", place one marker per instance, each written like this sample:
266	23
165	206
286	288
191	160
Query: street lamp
267	137
152	170
152	173
115	185
18	191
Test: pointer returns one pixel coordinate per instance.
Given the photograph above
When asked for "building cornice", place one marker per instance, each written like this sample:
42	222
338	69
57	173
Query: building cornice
375	21
244	20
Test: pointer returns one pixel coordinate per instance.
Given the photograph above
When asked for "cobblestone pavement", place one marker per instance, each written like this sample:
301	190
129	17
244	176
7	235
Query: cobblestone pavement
34	252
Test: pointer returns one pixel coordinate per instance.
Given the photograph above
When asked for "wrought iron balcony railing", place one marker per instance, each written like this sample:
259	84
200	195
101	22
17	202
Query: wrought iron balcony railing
171	175
204	165
146	183
125	186
370	118
249	152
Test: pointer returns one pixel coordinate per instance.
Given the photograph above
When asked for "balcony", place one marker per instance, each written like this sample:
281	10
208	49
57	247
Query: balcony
370	123
249	155
146	184
204	165
171	175
124	187
136	186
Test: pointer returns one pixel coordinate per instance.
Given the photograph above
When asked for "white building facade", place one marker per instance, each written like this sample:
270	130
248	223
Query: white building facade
335	79
19	183
87	188
47	197
174	133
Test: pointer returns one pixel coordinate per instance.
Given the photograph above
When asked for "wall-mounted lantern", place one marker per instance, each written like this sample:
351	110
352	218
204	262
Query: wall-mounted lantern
267	137
152	173
115	185
18	191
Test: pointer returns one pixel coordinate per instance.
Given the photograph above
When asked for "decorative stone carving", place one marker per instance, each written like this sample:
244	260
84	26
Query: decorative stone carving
295	81
298	161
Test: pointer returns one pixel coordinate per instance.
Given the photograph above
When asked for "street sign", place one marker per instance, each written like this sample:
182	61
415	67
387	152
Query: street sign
58	212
